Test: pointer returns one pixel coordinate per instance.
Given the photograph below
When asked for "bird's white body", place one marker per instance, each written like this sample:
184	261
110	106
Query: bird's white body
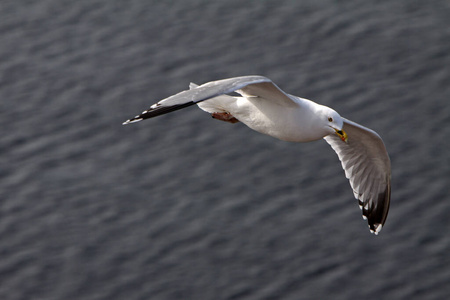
292	121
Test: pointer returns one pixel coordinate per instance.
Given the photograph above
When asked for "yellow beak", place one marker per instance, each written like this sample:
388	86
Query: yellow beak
342	135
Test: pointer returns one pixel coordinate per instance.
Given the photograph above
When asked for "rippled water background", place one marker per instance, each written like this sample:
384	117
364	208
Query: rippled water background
185	207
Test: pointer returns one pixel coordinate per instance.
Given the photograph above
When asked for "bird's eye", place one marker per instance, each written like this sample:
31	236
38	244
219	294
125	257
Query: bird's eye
330	119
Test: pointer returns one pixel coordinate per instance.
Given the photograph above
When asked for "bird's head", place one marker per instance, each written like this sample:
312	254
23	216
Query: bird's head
334	123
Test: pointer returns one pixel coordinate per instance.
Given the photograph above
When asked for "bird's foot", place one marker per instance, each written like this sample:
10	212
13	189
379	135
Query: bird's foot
225	116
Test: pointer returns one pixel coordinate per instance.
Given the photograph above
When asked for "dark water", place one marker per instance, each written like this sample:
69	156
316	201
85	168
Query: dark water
185	207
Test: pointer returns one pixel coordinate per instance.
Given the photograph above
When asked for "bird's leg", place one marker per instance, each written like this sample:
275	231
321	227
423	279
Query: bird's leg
225	116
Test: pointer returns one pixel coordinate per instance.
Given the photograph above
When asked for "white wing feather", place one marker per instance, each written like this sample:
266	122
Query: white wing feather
256	86
366	164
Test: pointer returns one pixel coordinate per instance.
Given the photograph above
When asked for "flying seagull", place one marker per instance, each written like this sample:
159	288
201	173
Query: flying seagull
265	108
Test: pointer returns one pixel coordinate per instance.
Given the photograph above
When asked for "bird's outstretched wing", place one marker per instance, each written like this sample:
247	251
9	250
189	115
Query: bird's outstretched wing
249	86
367	166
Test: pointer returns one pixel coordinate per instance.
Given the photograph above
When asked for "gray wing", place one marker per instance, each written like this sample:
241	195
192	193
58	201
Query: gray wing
367	166
250	86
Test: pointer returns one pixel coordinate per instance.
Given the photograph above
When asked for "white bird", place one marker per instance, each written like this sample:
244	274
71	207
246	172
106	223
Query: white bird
265	108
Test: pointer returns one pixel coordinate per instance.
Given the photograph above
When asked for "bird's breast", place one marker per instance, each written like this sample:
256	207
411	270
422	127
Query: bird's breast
281	122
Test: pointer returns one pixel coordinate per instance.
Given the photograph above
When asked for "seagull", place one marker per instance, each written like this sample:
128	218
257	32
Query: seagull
265	108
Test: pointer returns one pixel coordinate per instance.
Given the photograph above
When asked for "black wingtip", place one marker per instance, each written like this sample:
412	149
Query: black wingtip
156	110
133	120
377	211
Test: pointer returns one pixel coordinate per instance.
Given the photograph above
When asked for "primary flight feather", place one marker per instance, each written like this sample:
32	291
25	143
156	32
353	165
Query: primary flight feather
265	108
